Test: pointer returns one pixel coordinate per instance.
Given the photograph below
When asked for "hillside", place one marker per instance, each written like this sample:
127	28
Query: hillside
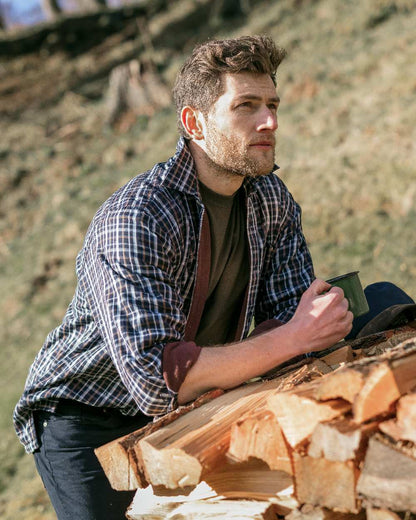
347	134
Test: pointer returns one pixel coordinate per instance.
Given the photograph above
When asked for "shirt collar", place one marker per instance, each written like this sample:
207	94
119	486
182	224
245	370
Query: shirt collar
179	171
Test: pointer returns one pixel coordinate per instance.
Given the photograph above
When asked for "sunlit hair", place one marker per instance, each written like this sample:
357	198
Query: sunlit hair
199	82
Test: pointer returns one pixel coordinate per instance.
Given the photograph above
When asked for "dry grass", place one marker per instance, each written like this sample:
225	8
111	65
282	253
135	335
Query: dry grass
346	149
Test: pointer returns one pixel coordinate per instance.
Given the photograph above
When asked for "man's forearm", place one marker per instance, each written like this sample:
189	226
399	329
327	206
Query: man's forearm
321	319
231	365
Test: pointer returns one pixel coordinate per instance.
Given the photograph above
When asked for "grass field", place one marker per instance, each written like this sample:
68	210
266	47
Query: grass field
347	134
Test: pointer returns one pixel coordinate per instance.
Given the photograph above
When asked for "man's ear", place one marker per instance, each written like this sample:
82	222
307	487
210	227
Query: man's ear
192	122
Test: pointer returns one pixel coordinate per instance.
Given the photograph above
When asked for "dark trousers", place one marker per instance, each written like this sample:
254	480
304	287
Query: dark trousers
70	471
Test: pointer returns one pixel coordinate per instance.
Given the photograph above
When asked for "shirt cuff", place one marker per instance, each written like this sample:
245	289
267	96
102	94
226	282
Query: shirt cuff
178	358
265	326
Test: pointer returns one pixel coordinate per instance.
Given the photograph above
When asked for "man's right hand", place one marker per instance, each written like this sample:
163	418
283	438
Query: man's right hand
322	317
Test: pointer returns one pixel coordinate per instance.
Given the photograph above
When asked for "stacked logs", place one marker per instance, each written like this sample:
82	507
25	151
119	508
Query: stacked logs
333	437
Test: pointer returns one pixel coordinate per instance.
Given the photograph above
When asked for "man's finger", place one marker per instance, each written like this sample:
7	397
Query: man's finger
319	286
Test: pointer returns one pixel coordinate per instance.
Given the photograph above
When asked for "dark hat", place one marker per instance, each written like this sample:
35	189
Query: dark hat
390	307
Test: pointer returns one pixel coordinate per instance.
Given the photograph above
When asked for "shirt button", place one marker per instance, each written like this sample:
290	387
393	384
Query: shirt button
45	424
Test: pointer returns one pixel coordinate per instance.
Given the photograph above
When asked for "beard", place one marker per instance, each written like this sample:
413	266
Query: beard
229	156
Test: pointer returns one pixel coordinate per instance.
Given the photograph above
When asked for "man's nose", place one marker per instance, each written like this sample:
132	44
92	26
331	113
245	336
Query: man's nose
267	120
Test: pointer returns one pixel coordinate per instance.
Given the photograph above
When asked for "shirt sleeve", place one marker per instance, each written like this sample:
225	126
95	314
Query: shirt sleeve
265	326
130	271
288	269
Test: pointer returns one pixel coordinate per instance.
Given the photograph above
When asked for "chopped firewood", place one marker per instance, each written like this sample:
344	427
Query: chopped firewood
309	512
384	385
252	480
259	435
339	356
388	476
181	453
120	464
372	384
326	483
149	505
118	458
122	459
199	504
299	372
340	440
344	383
377	395
298	413
404	426
230	509
373	513
347	381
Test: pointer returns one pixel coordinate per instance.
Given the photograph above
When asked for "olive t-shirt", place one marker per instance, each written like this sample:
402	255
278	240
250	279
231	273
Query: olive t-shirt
229	267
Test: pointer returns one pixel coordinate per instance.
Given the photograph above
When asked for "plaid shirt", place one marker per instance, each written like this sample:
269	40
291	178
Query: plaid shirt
136	277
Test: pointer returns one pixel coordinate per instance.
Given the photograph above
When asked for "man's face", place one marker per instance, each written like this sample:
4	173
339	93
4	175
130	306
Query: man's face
239	129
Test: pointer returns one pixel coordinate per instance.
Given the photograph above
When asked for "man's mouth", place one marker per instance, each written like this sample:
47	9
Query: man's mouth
263	144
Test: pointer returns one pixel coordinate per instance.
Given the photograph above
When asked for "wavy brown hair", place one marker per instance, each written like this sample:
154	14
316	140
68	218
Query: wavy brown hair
199	82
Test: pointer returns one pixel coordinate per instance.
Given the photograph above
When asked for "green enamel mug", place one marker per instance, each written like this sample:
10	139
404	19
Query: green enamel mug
351	285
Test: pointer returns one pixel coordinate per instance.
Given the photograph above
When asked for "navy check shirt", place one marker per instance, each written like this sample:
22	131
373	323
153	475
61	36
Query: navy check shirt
136	278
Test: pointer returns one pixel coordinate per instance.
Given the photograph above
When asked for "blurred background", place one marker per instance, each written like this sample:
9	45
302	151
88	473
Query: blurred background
85	105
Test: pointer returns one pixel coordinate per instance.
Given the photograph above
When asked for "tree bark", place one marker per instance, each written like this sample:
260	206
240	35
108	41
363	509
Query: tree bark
388	477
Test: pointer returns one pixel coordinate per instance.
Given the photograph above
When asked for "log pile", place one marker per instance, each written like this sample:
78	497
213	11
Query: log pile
334	436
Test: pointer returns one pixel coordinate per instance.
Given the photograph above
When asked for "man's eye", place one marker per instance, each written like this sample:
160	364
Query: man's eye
245	104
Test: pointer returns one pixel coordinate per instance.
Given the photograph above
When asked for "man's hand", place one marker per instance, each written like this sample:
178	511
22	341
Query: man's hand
322	317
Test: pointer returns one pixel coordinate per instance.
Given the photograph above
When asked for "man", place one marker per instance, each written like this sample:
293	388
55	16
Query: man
176	264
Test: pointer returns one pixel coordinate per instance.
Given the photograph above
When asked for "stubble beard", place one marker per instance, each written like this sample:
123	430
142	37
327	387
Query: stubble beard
227	156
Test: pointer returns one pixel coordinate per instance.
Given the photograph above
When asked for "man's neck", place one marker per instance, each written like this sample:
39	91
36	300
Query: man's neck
214	177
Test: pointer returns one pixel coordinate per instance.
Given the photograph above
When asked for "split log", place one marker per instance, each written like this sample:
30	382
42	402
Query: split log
385	384
200	504
309	512
325	483
148	505
230	509
182	453
404	426
373	513
118	458
251	480
298	413
344	383
340	356
372	384
388	476
122	460
259	435
377	395
341	440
